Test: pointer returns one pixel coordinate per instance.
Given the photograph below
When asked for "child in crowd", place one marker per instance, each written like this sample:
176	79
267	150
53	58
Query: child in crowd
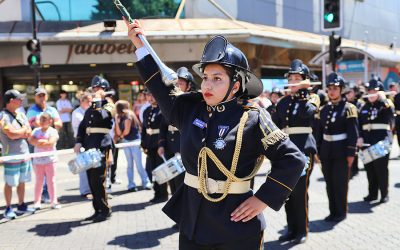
44	139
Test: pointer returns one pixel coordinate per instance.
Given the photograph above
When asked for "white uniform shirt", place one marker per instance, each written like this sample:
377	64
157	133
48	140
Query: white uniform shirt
61	104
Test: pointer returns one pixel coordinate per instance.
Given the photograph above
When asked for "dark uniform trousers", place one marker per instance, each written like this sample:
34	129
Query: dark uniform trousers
113	167
153	160
96	178
378	176
336	175
296	206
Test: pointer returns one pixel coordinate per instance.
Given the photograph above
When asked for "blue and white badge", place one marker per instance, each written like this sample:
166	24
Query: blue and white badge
199	123
296	106
220	142
333	119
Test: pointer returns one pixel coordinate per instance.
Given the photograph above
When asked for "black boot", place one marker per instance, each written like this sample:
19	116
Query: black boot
370	198
287	237
300	238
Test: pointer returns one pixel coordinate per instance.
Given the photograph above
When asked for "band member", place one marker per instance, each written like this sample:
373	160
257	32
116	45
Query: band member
222	143
337	134
295	115
275	95
397	117
169	138
352	94
93	132
150	131
375	118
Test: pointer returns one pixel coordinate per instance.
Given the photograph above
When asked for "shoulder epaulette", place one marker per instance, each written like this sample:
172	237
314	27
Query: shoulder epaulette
389	103
272	134
351	110
110	107
314	99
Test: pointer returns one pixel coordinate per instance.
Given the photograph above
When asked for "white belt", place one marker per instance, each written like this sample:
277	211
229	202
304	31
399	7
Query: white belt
215	186
172	128
397	112
297	130
375	126
338	137
150	131
97	131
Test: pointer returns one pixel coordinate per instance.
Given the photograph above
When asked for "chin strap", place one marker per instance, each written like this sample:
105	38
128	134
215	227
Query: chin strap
231	84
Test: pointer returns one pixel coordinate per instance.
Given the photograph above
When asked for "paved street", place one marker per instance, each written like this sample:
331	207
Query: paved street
135	224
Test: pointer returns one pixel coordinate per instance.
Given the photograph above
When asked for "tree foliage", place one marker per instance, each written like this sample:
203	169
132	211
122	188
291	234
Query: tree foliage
105	9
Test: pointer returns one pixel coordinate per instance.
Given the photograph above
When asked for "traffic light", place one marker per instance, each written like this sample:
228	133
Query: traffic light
335	52
331	14
33	46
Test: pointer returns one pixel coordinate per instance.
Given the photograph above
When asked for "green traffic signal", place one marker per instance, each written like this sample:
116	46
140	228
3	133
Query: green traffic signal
34	59
329	17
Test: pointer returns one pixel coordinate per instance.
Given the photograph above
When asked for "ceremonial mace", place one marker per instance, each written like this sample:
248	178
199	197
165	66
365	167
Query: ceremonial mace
169	76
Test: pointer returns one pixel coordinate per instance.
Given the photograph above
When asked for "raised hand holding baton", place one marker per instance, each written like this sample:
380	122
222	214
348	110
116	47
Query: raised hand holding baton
169	76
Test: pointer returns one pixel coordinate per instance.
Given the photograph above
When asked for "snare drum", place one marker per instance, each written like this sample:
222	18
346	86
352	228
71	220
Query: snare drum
168	170
86	160
376	151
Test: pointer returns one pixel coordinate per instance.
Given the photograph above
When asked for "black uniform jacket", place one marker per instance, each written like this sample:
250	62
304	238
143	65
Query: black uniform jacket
151	123
99	115
379	112
294	111
199	219
169	138
397	107
271	108
335	119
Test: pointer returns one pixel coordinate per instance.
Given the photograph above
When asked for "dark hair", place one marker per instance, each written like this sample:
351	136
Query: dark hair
122	108
63	92
46	115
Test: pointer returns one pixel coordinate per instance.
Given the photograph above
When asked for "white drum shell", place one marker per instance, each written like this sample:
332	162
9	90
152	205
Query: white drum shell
168	170
376	151
86	160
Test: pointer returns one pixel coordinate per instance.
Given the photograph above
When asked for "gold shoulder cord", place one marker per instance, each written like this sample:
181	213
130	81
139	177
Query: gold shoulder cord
230	174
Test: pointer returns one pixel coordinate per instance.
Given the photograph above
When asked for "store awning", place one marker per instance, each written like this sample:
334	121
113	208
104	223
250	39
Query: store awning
200	29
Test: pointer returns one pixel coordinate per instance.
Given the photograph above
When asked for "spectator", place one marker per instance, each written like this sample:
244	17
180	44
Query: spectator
127	128
44	138
41	106
14	131
140	101
33	115
65	108
77	117
143	106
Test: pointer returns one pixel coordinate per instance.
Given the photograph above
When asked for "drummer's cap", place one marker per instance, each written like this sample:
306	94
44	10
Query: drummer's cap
374	84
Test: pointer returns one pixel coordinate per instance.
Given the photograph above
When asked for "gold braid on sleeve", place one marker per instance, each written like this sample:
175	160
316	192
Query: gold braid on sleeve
230	174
